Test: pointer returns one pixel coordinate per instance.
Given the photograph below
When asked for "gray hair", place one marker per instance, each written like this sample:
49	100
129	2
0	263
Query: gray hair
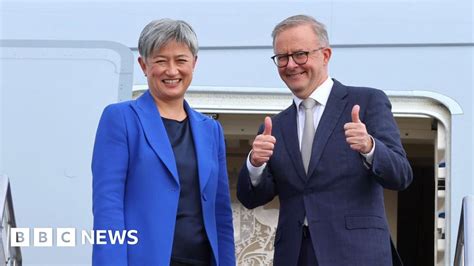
159	32
298	20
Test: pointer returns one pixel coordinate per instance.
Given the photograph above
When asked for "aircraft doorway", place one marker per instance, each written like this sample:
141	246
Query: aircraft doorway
417	217
411	213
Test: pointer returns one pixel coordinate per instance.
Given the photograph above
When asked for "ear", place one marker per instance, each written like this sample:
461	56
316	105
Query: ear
327	55
142	64
195	61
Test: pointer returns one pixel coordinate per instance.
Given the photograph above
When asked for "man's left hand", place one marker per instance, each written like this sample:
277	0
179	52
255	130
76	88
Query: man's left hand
356	133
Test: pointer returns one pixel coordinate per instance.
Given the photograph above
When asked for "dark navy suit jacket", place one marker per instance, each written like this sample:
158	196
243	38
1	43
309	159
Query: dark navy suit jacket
340	196
136	184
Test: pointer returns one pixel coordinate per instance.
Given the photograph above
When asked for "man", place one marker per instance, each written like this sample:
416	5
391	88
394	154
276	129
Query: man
329	170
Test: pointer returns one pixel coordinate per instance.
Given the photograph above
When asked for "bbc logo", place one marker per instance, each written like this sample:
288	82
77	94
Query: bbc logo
43	237
66	237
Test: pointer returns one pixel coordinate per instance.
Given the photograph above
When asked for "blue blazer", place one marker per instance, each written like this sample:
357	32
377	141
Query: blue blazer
136	184
341	197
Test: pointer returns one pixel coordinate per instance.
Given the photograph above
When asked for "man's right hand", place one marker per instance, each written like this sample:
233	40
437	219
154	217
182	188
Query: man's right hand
263	145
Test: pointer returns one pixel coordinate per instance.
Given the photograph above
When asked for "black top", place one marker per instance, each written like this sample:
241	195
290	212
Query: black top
190	244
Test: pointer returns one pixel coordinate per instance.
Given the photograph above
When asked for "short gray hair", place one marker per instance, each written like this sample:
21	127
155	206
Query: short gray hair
298	20
159	32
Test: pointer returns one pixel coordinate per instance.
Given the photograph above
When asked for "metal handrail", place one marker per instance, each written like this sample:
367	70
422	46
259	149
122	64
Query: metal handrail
465	244
12	255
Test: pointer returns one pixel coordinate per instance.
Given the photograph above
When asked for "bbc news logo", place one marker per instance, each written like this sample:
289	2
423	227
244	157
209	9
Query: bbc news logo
67	237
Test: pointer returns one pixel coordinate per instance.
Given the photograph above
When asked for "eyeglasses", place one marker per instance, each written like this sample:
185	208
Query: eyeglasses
300	58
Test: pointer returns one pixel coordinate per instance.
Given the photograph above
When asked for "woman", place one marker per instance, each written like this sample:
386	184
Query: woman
159	167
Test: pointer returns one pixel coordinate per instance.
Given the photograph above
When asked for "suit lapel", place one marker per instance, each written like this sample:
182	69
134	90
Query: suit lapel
155	131
202	132
334	108
290	136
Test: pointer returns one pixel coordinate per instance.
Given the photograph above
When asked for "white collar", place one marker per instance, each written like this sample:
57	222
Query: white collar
320	94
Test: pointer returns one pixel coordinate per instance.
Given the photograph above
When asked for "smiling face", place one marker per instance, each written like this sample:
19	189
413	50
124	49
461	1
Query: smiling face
169	71
302	80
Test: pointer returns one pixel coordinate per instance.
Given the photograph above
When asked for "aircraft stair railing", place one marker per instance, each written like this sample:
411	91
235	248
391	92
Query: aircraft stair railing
9	256
465	244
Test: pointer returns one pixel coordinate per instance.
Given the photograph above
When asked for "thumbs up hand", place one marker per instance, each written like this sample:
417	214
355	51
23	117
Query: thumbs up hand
263	145
356	133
